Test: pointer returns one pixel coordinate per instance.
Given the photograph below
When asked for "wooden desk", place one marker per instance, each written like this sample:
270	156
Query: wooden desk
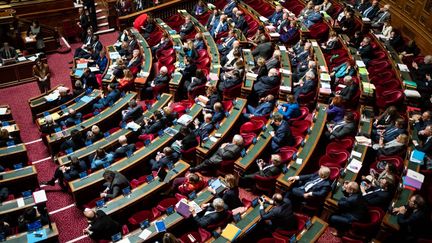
170	220
11	127
16	73
112	140
39	104
146	190
248	82
7	115
11	210
314	232
104	119
20	180
52	235
85	188
12	155
304	153
226	126
141	80
286	82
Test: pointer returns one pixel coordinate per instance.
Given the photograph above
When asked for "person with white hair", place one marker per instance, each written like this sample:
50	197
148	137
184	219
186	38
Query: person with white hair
421	70
310	186
94	134
274	61
220	25
73	118
212	214
227	151
313	18
350	89
382	16
160	80
263	85
125	149
306	86
205	128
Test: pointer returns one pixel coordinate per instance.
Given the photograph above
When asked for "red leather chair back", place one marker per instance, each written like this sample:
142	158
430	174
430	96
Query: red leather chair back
304	111
286	153
232	92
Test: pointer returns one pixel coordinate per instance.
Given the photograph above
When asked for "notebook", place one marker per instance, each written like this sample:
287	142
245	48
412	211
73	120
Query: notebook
183	209
231	232
417	156
39	196
160	226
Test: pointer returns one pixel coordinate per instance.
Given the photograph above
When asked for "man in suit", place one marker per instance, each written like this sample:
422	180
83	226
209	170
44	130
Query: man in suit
421	70
205	128
133	112
96	47
378	196
281	136
73	118
268	170
186	28
349	91
220	25
125	149
304	87
115	183
426	140
189	69
313	18
167	156
188	140
276	16
281	216
391	132
352	208
218	113
154	124
382	16
160	79
274	61
213	19
227	151
229	80
163	43
228	8
7	52
310	187
343	128
365	50
421	122
109	100
227	43
199	42
266	83
241	23
371	11
212	215
362	5
264	49
67	172
89	79
413	220
101	226
84	22
264	108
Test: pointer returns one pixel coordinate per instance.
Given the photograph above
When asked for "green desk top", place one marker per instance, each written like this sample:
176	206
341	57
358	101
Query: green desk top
144	190
318	54
226	124
116	107
250	64
19	148
313	233
170	220
15	174
113	138
137	156
309	146
286	64
12	205
365	128
40	100
147	64
22	237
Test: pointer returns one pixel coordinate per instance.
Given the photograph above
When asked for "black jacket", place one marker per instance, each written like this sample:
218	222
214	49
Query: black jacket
281	216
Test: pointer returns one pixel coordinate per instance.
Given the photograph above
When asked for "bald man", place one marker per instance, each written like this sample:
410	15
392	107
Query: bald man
101	226
125	149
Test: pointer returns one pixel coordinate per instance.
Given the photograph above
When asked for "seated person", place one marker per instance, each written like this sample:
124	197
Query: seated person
206	127
260	34
390	132
220	26
288	32
126	82
264	107
189	50
94	134
227	151
372	10
365	50
382	15
389	170
347	68
73	118
410	51
331	42
313	18
347	22
153	124
7	52
229	80
148	28
198	80
260	68
162	160
119	68
74	142
160	79
263	49
213	19
231	194
386	119
263	85
32	214
349	91
134	64
378	195
133	112
211	215
5	229
200	8
274	61
125	149
115	183
188	140
218	113
186	28
281	216
233	56
306	86
335	111
276	16
268	170
67	172
78	88
422	121
102	61
303	67
421	70
5	137
191	183
352	208
396	146
240	22
212	96
199	42
310	187
426	140
342	129
101	226
227	43
109	100
291	109
281	136
308	9
189	69
64	96
101	157
162	45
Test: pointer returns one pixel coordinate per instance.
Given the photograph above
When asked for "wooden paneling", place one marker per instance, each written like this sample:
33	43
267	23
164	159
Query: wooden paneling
414	19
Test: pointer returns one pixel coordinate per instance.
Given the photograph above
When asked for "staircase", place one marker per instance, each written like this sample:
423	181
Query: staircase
102	13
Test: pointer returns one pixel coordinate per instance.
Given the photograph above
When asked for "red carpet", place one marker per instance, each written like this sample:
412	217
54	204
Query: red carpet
70	221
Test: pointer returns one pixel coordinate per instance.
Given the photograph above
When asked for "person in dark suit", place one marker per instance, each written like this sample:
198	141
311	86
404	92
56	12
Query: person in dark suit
74	142
421	122
220	25
362	5
227	43
229	80
426	140
154	124
365	50
213	214
304	87
310	187
218	113
313	18
133	112
189	69
264	49
213	19
391	132
67	172
378	196
198	80
268	170
231	194
263	85
148	28
8	52
335	111
264	107
347	22
115	183
381	16
187	142
213	96
101	226
421	70
276	16
281	216
227	151
89	79
274	61
162	45
281	136
371	11
228	8
342	129
186	28
396	146
198	42
349	91
206	127
125	149
109	100
96	47
352	208
84	22
167	156
241	23
160	79
73	118
412	219
94	134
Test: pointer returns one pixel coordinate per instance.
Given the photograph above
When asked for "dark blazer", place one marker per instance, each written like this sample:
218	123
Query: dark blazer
111	98
73	172
133	113
189	71
272	63
261	71
378	198
229	82
209	24
117	185
204	221
204	130
265	84
366	52
241	24
189	141
319	190
164	161
186	28
283	135
90	81
414	223
264	50
420	125
263	109
335	113
281	216
160	79
122	151
347	129
229	152
229	7
269	171
231	198
391	132
275	17
349	92
148	29
355	206
391	150
217	117
426	146
154	126
103	227
372	13
212	100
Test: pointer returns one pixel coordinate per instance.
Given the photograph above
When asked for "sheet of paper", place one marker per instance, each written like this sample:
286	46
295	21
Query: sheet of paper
195	207
124	240
3	111
94	69
299	161
263	19
145	234
22	59
285	88
315	44
403	67
355	165
285	71
282	48
360	63
412	93
20	202
356	154
40	196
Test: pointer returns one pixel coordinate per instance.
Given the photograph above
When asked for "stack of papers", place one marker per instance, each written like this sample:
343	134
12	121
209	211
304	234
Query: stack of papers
231	232
368	87
285	71
184	120
417	156
362	140
360	64
413	180
325	77
403	67
274	34
411	93
53	96
363	71
3	111
285	88
410	84
133	126
354	166
251	76
21	59
263	19
114	55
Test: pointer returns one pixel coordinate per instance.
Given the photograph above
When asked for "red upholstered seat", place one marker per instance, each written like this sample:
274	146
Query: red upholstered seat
252	126
203	63
307	98
202	53
380	55
340	144
248	138
300	127
165	53
336	158
232	92
334	172
159	89
319	31
225	167
300	219
297	141
364	230
166	203
304	111
227	104
393	97
201	235
140	216
395	160
222	223
189	155
286	153
266	184
199	90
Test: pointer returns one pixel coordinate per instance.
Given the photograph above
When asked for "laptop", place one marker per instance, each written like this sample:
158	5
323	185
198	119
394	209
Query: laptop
162	173
116	237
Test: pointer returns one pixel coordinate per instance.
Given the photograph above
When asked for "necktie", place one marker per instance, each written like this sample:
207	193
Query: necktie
367	11
8	54
310	184
382	16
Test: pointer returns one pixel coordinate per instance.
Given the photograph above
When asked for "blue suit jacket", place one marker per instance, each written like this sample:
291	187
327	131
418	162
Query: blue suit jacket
292	111
263	109
312	19
265	83
283	134
335	113
204	130
229	7
275	17
319	190
392	132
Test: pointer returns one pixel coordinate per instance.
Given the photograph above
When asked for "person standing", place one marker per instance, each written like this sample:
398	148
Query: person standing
42	73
